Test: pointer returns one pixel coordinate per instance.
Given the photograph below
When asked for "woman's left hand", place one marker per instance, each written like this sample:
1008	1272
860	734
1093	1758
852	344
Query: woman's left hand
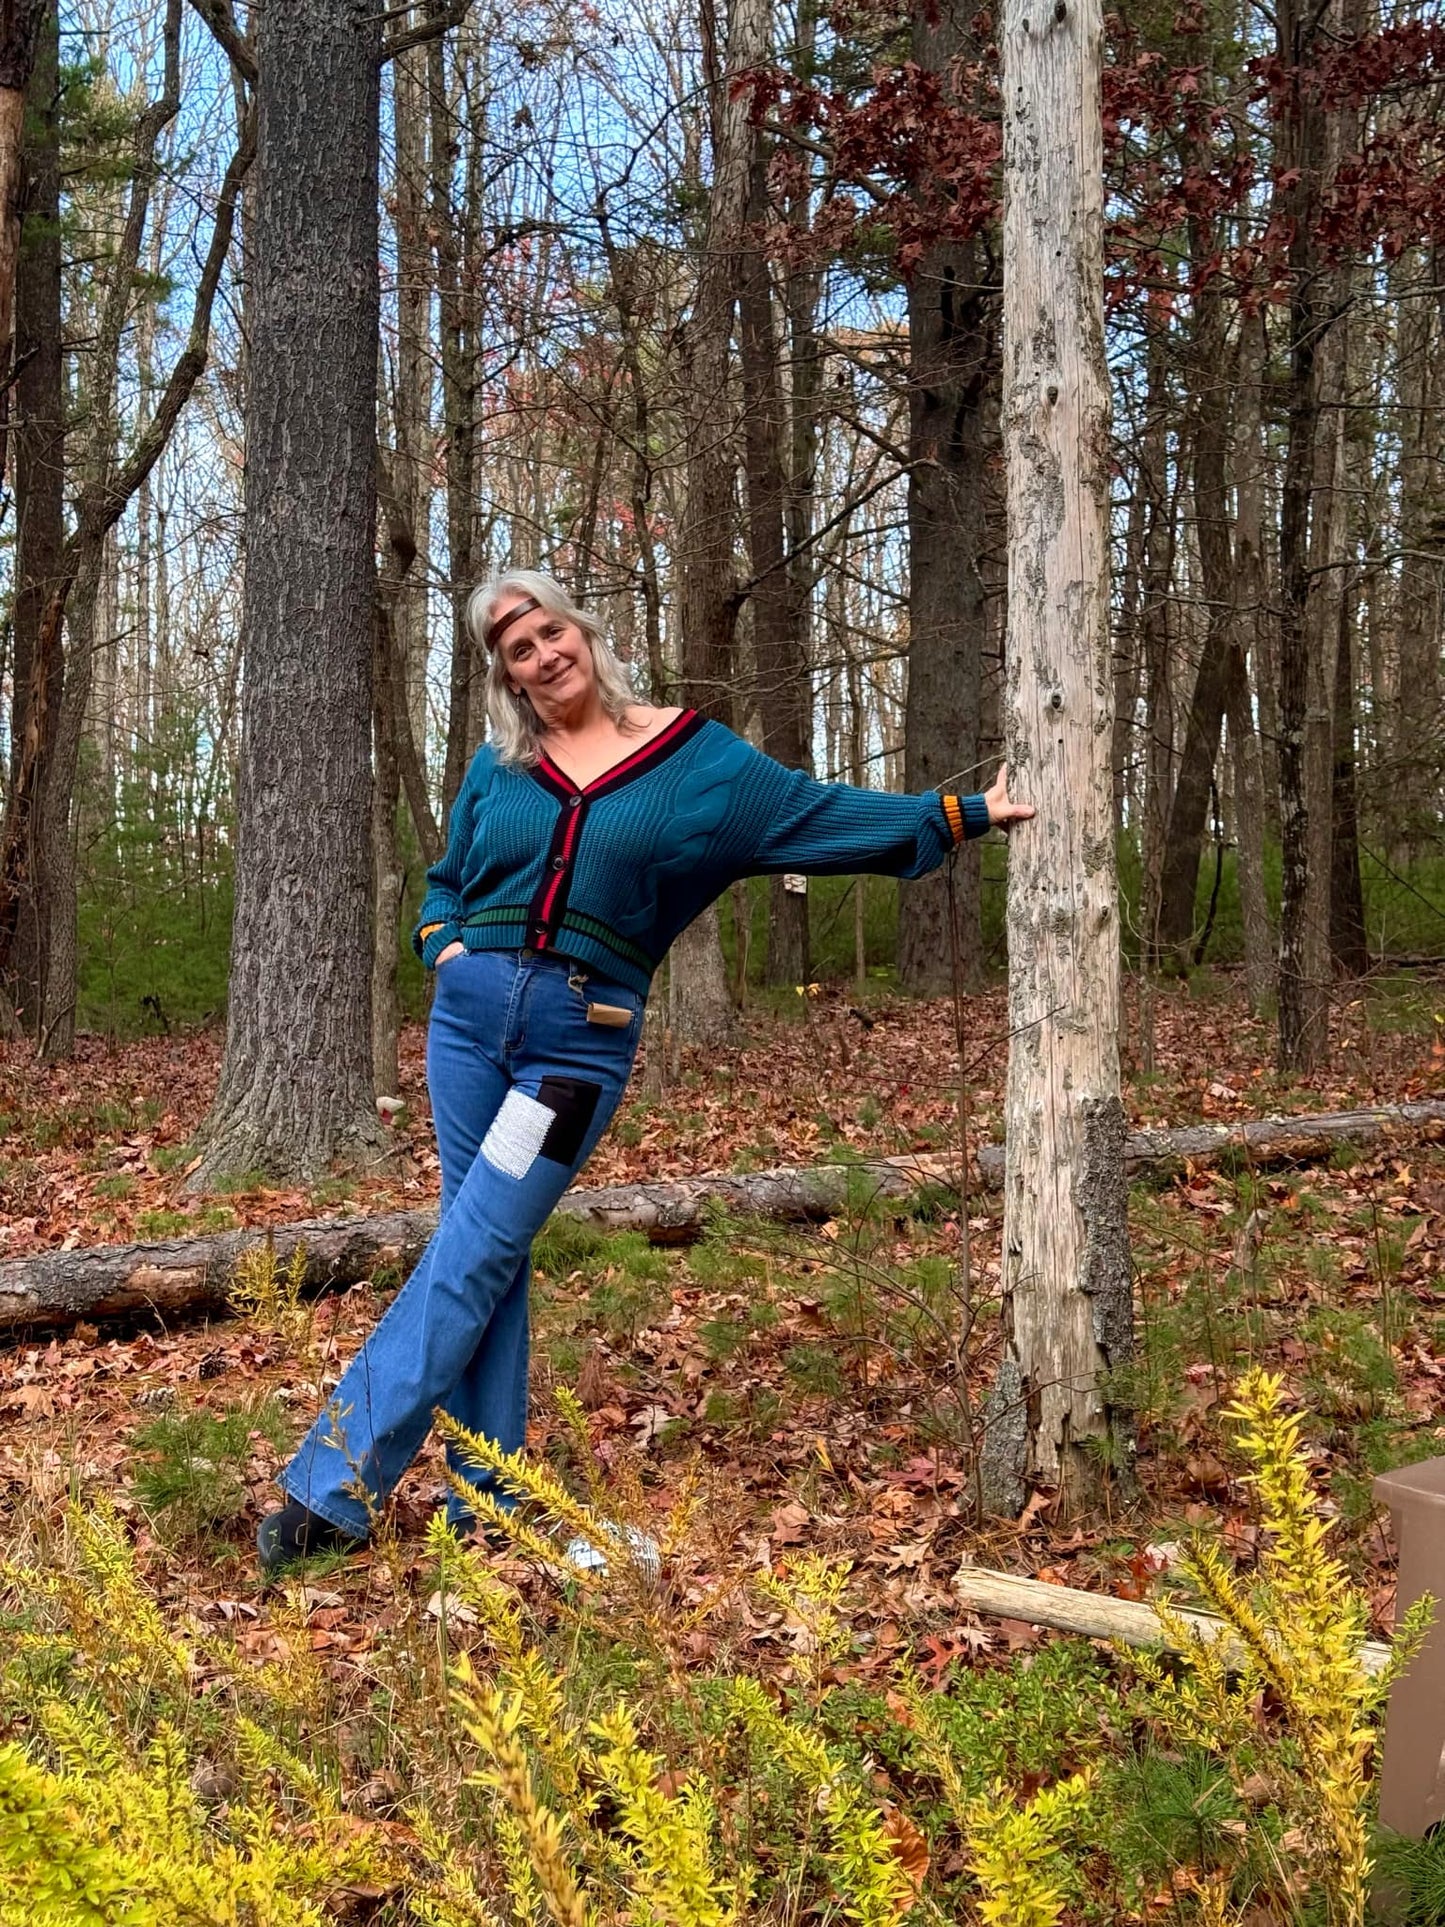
1000	810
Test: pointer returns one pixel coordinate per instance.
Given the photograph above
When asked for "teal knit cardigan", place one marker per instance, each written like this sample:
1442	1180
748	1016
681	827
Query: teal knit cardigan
611	873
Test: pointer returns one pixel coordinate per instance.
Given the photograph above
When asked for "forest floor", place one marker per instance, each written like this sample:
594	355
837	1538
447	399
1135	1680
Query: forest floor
97	1151
795	1413
810	1378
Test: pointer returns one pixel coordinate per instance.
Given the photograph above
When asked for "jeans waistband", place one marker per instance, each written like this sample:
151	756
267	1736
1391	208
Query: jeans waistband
527	955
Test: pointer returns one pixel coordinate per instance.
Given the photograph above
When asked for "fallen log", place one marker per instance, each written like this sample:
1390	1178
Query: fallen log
189	1276
1126	1622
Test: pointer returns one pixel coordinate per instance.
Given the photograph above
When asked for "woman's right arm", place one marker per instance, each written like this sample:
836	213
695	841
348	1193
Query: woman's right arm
438	928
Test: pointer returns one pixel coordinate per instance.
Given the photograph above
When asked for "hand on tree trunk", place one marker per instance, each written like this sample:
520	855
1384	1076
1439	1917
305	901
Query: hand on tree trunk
1001	811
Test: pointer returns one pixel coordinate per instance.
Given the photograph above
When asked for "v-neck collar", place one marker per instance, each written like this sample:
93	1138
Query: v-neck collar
656	750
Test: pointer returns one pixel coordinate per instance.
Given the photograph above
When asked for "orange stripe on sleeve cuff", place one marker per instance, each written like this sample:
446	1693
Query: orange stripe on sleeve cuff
953	810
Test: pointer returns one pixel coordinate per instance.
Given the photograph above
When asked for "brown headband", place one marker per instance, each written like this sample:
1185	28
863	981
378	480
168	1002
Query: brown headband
517	610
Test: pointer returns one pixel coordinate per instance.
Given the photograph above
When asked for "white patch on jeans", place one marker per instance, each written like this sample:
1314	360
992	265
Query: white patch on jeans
517	1134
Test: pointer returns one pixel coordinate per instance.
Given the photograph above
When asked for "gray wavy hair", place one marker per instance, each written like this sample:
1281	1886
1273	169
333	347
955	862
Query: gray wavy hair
515	726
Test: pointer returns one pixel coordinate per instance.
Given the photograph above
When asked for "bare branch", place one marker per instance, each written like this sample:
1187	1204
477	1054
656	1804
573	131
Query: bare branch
221	19
431	29
191	364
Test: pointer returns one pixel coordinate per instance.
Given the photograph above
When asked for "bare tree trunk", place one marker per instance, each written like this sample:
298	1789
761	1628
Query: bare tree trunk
952	350
841	647
39	435
1067	1290
454	242
389	718
1249	809
1158	682
802	288
411	404
1303	961
1255	807
296	1088
1128	662
1415	739
104	722
781	667
701	1003
622	268
1325	620
1348	945
21	37
399	665
58	829
1213	385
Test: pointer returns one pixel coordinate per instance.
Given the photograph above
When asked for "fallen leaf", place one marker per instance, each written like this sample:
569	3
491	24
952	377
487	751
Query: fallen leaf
910	1849
1039	1502
787	1523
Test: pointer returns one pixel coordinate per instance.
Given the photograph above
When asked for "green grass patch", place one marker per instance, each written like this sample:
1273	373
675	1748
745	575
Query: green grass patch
190	1464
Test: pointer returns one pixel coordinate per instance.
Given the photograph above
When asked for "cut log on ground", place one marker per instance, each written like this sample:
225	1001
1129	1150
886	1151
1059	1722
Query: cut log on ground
187	1277
1126	1622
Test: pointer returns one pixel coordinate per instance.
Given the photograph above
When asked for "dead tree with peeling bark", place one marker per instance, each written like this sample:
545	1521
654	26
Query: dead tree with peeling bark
1067	1309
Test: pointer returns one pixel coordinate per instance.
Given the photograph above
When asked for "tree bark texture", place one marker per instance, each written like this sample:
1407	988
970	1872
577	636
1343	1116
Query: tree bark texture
296	1091
38	404
1209	437
1249	810
1067	1289
702	1010
20	37
1255	804
784	699
1415	741
1326	615
61	975
1348	945
952	357
1157	638
399	665
388	721
1123	1622
454	239
188	1275
1306	502
1299	1023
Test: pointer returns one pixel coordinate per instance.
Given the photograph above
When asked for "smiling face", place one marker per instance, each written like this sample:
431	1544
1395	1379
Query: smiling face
545	658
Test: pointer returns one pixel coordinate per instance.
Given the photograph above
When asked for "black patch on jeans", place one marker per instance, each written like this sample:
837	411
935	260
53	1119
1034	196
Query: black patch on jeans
573	1102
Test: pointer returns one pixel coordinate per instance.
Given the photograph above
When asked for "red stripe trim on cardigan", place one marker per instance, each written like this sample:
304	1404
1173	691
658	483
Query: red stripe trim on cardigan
565	853
629	766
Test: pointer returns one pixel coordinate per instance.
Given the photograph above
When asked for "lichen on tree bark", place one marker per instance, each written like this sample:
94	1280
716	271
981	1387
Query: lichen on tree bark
1066	1314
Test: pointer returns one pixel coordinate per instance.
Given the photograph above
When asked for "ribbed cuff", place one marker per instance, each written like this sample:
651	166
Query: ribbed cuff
966	816
437	942
975	816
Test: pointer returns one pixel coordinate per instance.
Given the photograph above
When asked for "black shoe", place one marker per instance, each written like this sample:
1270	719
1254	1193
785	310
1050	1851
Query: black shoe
294	1533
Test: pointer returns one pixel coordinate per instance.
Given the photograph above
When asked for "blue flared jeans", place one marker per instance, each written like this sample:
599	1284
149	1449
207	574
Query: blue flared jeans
523	1084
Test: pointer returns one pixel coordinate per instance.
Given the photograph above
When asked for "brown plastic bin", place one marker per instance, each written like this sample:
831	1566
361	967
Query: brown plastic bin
1412	1763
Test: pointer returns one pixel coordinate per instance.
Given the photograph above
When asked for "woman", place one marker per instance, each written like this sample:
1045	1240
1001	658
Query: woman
588	832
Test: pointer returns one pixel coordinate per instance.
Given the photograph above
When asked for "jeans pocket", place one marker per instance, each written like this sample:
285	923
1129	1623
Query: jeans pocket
600	1004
